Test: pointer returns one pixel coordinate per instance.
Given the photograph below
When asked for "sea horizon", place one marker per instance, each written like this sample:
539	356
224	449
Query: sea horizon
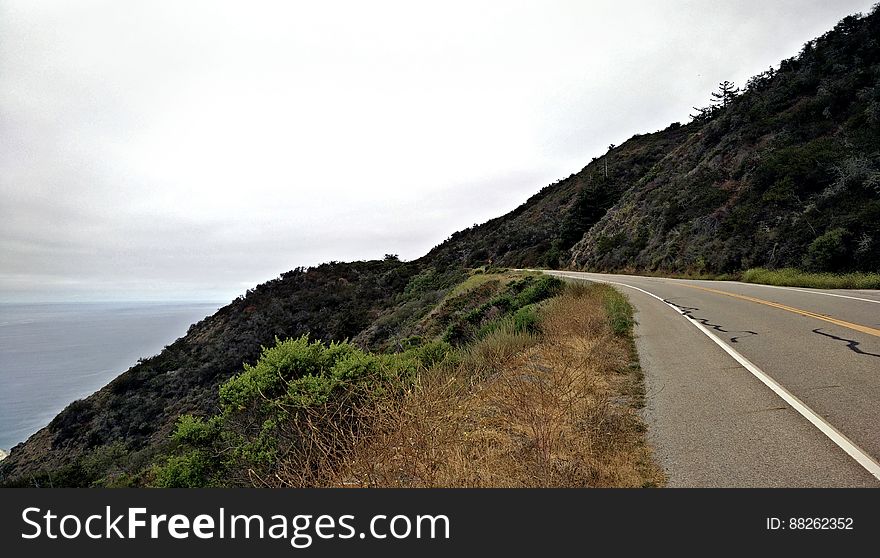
53	353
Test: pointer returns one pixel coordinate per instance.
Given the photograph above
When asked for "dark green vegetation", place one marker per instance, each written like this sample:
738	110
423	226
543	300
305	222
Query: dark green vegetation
784	174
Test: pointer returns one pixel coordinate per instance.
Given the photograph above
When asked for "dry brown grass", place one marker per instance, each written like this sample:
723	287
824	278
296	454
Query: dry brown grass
558	410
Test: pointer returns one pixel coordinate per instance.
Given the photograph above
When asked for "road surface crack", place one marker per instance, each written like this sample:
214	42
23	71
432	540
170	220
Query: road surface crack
688	311
851	344
826	387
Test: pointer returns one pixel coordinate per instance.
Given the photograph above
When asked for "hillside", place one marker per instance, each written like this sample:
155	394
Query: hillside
785	174
136	411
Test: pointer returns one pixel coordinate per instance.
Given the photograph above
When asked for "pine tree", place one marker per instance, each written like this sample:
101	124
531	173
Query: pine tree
705	113
727	91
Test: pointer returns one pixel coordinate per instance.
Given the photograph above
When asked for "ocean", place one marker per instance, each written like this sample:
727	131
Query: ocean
53	354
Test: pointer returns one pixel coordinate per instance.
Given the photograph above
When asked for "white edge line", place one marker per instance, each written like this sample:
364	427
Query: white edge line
711	282
847	445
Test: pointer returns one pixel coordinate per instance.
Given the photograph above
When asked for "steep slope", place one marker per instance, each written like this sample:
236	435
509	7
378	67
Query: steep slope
788	173
137	410
541	231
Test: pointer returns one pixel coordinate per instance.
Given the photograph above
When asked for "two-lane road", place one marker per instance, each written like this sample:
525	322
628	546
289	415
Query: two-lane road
752	385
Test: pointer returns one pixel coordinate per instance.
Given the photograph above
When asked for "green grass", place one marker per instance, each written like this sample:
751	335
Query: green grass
795	278
479	277
620	312
469	284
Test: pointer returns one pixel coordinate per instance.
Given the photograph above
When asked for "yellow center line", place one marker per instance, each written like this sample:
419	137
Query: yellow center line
823	317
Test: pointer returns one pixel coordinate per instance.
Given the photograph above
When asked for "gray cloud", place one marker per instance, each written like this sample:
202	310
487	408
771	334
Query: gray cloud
170	150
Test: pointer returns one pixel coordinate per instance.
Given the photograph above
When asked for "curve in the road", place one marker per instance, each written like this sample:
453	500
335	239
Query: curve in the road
844	443
684	429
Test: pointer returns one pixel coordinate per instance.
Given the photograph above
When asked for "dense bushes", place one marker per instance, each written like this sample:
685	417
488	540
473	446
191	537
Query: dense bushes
264	408
300	408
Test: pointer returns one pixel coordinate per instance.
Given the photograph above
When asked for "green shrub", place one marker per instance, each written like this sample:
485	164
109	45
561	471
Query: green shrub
808	165
504	302
196	461
475	316
192	469
195	431
543	288
433	353
509	307
277	367
525	320
605	243
261	406
828	252
456	333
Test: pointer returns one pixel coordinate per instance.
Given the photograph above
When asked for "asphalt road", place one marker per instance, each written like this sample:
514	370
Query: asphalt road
752	385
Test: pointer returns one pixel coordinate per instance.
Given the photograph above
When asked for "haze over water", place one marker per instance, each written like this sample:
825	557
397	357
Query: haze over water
53	354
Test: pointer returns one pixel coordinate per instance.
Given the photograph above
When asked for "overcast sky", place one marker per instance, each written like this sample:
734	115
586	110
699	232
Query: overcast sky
192	149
